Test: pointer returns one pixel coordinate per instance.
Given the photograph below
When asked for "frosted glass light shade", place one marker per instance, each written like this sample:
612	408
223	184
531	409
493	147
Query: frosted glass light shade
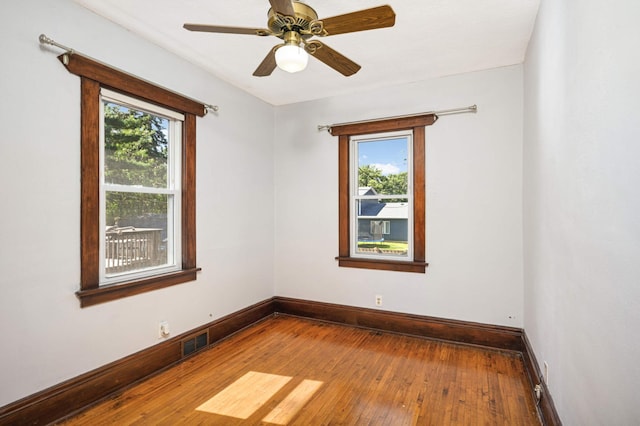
291	58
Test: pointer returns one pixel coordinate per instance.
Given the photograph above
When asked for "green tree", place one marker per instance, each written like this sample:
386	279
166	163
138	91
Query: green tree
135	153
395	184
369	175
135	147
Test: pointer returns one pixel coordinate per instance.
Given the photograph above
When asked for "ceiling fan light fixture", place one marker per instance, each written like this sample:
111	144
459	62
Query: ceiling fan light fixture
296	23
292	58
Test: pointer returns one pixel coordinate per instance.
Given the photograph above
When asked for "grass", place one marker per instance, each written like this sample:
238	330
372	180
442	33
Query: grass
386	245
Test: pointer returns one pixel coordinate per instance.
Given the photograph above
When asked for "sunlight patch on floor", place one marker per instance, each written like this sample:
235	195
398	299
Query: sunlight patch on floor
249	393
289	407
245	396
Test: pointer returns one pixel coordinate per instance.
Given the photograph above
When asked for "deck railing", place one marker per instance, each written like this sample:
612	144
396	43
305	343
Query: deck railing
129	249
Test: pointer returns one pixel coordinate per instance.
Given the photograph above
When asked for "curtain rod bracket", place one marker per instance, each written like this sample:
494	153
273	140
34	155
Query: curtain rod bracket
211	108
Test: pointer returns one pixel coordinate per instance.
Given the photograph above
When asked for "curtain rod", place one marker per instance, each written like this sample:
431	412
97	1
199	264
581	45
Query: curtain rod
472	109
69	51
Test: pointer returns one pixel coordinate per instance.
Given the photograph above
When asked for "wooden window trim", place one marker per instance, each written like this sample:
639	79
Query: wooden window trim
345	132
93	76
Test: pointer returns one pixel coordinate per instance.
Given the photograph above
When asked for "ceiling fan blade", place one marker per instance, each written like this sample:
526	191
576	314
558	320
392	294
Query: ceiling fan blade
283	7
362	20
332	58
268	64
227	30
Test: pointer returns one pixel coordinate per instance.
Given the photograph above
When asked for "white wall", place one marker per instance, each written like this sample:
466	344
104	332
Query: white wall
581	204
46	337
474	201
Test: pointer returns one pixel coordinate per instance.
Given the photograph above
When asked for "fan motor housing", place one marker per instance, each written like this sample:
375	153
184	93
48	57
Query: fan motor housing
305	15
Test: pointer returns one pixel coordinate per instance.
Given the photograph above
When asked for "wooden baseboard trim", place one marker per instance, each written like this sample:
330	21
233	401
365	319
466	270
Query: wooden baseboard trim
498	337
87	389
495	337
59	401
546	407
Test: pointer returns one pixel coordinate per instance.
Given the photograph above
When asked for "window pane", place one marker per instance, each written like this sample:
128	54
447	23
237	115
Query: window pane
382	166
383	227
135	147
136	233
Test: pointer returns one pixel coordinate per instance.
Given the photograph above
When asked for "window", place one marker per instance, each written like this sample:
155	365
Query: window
140	188
381	199
138	184
380	173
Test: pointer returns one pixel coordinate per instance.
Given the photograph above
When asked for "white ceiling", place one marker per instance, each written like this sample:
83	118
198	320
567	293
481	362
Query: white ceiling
431	38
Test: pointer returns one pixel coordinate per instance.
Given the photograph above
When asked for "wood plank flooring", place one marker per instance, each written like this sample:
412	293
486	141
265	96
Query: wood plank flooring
287	370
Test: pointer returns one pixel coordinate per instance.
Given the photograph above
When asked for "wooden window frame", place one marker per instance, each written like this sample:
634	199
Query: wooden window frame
416	124
94	75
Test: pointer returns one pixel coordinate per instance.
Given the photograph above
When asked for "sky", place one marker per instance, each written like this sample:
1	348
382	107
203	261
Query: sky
388	155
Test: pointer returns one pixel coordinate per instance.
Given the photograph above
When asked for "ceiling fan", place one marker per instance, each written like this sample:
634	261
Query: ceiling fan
296	23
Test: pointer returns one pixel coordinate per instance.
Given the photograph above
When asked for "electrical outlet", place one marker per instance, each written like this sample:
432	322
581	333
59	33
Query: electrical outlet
378	300
546	373
163	329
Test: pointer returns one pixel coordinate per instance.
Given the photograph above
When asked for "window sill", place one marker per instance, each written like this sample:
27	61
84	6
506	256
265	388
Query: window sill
104	294
385	265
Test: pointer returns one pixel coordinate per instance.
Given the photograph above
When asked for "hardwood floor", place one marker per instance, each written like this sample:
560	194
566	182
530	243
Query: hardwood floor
287	370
